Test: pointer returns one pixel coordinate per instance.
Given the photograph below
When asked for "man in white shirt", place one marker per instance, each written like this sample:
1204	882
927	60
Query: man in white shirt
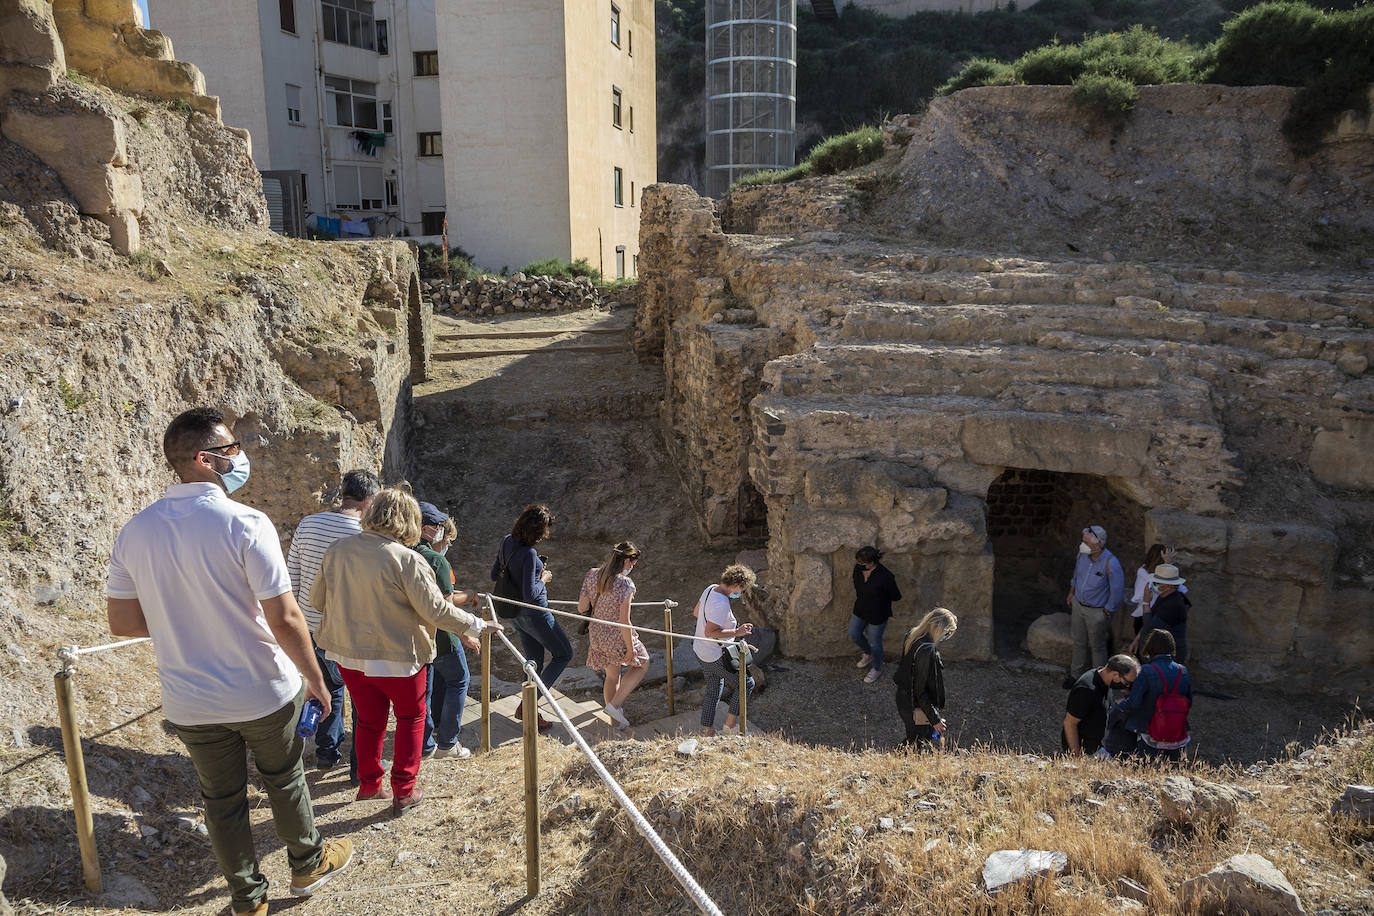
204	576
312	538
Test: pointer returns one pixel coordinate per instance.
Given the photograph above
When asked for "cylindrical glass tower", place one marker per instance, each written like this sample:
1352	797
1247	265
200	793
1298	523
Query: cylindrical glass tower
751	89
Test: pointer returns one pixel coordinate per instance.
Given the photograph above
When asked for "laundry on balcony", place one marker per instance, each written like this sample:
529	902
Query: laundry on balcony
368	141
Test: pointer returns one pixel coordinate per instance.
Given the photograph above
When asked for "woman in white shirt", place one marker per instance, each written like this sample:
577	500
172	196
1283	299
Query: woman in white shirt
716	620
1140	598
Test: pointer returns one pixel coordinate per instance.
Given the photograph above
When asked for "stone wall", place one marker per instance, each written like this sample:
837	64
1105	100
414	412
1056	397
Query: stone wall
872	391
490	295
80	139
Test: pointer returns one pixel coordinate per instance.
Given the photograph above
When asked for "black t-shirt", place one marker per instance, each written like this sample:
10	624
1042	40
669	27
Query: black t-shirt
1088	704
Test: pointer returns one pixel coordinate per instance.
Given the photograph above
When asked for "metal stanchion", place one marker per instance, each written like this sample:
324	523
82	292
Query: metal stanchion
668	640
485	728
743	695
529	695
76	771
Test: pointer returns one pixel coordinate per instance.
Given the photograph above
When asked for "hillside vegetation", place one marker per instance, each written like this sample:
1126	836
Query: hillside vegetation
866	66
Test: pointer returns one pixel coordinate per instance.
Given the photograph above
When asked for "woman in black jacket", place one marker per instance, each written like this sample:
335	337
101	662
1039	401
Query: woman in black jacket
920	678
874	591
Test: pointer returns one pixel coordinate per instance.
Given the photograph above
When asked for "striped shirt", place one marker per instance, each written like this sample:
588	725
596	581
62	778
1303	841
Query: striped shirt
312	538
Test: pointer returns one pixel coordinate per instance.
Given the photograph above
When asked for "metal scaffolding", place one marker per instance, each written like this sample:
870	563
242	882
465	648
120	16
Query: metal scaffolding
751	89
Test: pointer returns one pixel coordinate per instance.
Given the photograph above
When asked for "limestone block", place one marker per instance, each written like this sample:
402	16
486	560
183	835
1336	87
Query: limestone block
967	591
922	501
1071	444
1356	802
966	477
833	487
1345	457
1246	883
960	528
1257	614
1301	553
1192	802
1050	639
809	530
32	55
1335	631
813	585
1191	535
111	12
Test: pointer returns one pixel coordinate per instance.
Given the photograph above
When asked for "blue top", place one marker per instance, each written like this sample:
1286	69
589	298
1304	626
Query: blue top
1100	582
525	567
1139	707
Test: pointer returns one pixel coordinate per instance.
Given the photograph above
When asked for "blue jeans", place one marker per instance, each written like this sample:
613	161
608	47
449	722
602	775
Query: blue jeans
540	632
868	637
427	747
448	694
329	735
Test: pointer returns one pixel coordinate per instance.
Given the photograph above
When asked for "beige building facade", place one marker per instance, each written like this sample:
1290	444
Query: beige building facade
514	121
553	128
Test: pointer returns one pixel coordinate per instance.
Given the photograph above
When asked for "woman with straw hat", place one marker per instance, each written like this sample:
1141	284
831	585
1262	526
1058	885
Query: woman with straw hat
1169	610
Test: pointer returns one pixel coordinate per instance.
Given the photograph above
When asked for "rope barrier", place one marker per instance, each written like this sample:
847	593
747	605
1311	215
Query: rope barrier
609	623
666	602
694	890
67	655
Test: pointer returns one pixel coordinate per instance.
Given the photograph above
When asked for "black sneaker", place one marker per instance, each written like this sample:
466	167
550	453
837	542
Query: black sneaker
325	763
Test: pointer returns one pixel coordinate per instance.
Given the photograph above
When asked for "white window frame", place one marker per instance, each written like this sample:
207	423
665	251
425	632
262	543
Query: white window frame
293	114
617	107
615	25
618	185
354	95
341	171
357	18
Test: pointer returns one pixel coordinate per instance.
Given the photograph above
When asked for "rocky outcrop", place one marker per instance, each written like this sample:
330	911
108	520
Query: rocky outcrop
968	412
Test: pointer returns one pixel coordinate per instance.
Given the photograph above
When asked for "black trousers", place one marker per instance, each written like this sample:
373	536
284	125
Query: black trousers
918	736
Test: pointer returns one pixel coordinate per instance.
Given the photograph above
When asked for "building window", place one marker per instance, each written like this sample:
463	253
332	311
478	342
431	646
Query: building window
426	63
618	186
630	41
358	187
349	22
383	38
391	195
352	103
388	123
431	144
615	25
632	193
432	223
287	10
620	262
293	104
615	106
632	119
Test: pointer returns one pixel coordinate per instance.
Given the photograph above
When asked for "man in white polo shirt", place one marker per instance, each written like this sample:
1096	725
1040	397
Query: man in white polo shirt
204	576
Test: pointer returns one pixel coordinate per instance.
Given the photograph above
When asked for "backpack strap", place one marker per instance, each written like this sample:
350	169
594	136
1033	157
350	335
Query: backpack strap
1164	682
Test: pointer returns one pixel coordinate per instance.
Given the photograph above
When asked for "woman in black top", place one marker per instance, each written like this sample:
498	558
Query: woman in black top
874	591
920	679
1169	608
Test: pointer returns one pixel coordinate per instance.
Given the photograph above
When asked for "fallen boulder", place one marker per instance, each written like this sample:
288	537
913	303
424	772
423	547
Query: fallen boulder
1050	639
1245	883
1008	867
1190	802
1356	802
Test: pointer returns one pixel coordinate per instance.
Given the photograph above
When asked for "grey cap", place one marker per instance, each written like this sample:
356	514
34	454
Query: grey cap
1098	532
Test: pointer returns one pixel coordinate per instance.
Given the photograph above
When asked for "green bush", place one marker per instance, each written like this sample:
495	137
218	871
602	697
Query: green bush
562	268
829	157
981	71
1052	65
1110	98
430	260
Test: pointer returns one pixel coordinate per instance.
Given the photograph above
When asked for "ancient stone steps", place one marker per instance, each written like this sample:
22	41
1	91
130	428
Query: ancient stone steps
485	352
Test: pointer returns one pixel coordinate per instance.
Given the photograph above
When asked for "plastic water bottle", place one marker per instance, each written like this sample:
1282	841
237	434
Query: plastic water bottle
310	718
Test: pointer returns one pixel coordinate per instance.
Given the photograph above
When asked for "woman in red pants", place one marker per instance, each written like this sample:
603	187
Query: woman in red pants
379	607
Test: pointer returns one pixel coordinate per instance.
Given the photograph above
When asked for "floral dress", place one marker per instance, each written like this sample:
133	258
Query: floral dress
606	645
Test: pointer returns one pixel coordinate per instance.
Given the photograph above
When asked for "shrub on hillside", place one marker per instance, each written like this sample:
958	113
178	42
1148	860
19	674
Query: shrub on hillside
829	157
1109	98
981	71
430	260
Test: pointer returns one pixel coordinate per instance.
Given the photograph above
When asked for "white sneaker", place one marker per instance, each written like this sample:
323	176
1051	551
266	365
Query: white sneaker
618	715
872	676
864	661
456	751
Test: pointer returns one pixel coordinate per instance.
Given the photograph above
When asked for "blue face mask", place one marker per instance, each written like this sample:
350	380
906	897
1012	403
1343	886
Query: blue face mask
237	475
733	595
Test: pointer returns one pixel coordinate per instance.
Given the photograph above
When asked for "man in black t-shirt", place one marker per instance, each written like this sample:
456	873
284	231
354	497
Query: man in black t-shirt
1086	720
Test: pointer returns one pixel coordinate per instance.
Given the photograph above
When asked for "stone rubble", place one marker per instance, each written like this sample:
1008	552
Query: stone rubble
486	296
1193	802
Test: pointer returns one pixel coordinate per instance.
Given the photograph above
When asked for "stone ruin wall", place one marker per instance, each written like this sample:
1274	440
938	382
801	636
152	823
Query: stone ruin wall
40	40
848	387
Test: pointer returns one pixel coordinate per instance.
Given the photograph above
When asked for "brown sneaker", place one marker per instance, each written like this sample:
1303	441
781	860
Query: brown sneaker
333	859
259	910
403	804
382	794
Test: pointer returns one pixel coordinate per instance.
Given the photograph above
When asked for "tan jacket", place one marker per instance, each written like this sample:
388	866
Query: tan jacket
378	602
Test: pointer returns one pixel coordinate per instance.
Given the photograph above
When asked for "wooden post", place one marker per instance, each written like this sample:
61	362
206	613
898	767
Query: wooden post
76	772
485	726
743	695
529	695
668	627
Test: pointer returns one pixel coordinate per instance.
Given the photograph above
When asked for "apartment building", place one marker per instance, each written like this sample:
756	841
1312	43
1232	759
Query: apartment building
527	125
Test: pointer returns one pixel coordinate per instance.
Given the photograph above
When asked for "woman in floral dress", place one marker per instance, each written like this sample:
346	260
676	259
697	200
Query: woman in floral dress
606	594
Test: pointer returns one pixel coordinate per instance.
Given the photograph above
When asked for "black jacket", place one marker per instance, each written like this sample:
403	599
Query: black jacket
920	679
873	598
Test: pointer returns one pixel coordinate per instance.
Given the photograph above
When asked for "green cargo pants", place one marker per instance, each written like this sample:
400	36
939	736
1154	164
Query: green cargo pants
220	755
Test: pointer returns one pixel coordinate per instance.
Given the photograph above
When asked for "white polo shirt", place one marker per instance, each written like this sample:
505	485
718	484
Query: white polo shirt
198	562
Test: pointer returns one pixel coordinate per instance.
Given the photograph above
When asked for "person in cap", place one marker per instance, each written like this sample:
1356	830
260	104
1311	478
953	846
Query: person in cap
446	682
1095	592
1168	609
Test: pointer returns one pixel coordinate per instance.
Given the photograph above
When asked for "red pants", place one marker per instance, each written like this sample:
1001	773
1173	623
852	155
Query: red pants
375	697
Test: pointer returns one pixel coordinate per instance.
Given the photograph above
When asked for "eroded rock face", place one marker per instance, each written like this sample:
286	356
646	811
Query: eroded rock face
844	389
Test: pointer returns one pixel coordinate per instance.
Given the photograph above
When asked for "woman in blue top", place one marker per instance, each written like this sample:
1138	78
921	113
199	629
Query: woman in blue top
539	631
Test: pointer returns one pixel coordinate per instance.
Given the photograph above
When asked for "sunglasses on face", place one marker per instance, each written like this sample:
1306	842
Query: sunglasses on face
227	450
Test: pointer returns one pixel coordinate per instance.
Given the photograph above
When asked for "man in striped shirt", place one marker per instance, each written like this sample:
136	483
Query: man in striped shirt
312	538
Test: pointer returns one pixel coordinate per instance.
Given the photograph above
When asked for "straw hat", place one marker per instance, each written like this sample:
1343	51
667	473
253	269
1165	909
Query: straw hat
1167	574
